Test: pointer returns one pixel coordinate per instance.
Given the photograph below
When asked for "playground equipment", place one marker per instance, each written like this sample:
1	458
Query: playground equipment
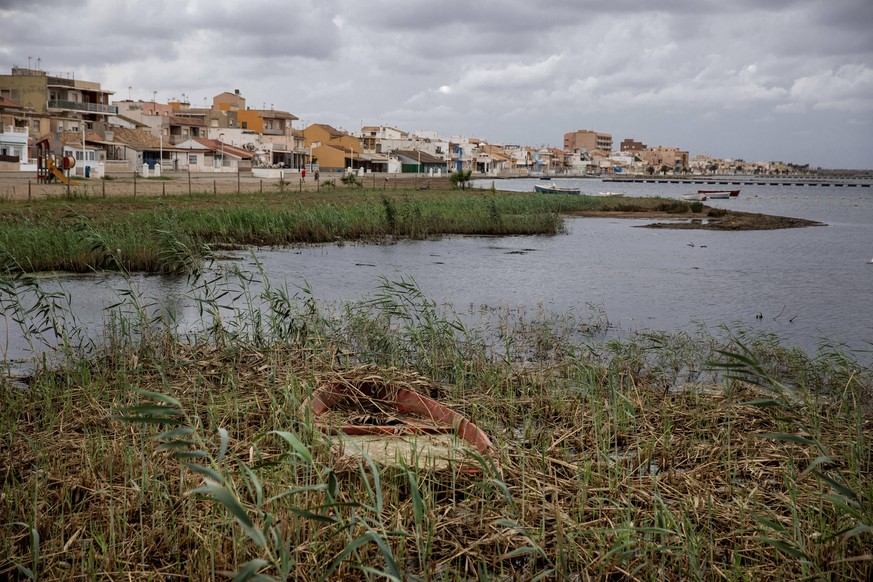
49	166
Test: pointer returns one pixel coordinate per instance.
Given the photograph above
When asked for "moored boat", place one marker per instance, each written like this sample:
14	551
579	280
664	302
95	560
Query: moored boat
720	194
694	196
555	189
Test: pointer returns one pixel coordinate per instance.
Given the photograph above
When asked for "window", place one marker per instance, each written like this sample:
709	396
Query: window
35	125
245	124
192	159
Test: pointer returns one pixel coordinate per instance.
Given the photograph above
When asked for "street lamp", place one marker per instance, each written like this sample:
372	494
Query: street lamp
221	139
417	151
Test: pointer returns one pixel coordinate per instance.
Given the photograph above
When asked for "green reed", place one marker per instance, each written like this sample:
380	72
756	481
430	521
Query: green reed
160	236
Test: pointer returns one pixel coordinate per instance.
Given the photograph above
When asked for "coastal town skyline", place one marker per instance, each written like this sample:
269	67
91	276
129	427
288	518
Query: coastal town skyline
515	75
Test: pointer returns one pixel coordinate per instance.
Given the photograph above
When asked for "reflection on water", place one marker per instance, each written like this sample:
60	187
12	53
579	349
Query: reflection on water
803	284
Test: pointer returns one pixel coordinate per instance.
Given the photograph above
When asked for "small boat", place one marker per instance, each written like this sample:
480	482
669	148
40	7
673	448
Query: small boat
555	189
720	194
393	422
608	194
697	197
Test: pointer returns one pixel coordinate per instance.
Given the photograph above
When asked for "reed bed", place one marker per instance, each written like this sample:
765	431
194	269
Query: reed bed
157	455
147	234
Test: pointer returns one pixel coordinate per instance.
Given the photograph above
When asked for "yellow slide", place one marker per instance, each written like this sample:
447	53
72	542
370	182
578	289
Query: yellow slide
50	164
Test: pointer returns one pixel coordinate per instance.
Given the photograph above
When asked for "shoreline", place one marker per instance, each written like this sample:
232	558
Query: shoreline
731	220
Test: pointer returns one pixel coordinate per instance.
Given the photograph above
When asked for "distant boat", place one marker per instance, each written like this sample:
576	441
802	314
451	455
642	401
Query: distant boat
696	196
607	194
555	189
720	194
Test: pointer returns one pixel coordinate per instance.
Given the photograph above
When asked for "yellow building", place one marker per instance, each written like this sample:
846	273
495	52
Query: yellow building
331	148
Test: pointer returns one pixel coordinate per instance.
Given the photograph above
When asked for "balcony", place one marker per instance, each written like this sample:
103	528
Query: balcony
273	132
86	107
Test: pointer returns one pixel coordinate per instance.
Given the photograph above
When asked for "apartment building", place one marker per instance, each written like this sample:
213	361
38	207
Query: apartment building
59	102
661	157
587	140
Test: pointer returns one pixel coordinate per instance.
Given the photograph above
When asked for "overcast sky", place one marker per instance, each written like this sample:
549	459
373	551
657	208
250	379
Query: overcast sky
762	80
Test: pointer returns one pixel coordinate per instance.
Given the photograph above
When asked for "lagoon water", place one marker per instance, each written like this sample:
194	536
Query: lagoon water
807	284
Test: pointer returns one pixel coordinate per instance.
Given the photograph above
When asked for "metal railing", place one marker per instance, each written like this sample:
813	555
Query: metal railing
77	106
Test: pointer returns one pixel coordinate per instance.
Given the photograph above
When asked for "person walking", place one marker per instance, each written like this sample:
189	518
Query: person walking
303	174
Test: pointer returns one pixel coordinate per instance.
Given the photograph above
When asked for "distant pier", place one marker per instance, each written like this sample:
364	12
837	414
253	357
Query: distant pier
746	182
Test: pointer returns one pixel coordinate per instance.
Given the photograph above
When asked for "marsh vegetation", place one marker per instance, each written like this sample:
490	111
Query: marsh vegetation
154	234
156	453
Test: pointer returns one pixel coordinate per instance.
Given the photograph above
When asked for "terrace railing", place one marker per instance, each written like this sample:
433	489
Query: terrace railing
78	106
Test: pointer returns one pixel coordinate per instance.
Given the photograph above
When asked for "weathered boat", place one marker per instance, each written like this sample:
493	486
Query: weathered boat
555	189
694	196
393	422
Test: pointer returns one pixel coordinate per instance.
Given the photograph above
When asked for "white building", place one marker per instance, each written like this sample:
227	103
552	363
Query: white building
13	143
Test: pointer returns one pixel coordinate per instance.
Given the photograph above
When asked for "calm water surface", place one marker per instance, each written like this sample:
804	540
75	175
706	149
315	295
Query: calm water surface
807	284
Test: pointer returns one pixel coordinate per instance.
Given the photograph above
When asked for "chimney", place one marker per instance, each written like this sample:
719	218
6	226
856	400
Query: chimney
236	91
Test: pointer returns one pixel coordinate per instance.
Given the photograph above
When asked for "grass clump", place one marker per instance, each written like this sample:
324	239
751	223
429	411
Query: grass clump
660	456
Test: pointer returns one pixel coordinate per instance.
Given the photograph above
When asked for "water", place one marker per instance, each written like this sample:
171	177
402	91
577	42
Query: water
805	284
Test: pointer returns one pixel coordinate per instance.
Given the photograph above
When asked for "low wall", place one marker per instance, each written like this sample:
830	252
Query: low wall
268	173
117	167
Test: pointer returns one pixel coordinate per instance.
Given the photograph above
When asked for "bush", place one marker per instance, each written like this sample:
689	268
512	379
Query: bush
461	178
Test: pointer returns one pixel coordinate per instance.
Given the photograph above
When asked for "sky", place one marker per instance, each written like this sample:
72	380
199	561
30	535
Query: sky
757	80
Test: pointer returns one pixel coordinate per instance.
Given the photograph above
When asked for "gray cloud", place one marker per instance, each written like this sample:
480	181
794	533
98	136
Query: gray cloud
782	80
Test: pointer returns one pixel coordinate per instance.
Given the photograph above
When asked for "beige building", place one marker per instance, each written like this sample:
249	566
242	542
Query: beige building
585	139
660	157
58	102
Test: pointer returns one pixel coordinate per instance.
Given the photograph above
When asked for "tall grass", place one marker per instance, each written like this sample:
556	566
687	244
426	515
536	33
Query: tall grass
147	238
168	452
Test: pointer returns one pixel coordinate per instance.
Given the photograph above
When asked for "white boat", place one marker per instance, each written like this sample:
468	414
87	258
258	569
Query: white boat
720	194
694	196
555	189
608	194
